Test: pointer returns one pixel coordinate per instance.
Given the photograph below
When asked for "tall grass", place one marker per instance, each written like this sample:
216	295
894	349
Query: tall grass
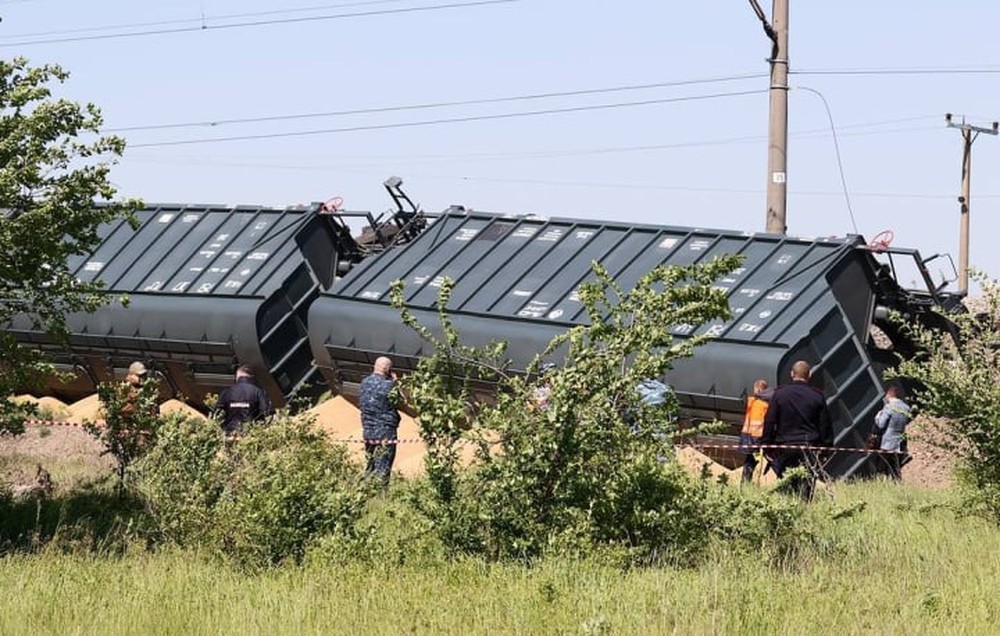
879	559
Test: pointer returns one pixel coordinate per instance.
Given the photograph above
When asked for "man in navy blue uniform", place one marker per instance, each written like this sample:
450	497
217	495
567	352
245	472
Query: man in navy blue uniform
379	401
797	416
242	402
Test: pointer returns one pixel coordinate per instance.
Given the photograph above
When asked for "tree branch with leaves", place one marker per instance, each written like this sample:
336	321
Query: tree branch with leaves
55	193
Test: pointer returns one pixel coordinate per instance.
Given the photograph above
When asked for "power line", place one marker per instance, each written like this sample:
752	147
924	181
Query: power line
559	182
447	120
900	71
446	104
199	20
258	23
576	152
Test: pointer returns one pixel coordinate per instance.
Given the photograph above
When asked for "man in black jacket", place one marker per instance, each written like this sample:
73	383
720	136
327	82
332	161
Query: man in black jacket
242	402
797	416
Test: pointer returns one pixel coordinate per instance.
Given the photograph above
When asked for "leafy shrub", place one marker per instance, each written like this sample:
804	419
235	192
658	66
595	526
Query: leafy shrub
959	380
260	501
287	486
589	466
131	421
182	479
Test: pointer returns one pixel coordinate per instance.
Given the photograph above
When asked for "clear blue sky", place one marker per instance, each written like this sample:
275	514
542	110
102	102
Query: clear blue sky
699	162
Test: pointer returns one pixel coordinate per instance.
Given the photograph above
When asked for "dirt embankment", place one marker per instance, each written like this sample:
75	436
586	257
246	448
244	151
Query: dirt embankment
932	466
71	446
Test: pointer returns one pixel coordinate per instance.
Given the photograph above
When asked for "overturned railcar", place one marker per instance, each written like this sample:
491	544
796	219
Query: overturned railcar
517	279
207	287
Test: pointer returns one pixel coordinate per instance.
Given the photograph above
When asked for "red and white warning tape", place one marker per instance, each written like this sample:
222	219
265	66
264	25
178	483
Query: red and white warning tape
751	448
58	423
745	448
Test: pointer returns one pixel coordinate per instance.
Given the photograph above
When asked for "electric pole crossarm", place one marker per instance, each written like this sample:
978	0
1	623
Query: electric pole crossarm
969	135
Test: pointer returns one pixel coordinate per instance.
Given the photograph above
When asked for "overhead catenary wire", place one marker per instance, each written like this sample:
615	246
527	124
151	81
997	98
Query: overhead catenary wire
967	70
448	120
257	23
599	150
201	19
652	187
397	160
442	104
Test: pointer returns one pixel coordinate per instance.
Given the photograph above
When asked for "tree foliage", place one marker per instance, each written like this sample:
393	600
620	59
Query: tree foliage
961	383
54	193
588	466
131	421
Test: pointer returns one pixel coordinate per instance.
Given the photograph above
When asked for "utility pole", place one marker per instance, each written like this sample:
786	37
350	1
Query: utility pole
969	135
777	145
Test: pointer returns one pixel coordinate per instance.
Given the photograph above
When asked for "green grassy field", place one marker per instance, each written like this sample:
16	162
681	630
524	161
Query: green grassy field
883	559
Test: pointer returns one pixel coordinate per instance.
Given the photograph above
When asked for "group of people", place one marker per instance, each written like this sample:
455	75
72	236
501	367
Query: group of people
239	404
795	416
246	401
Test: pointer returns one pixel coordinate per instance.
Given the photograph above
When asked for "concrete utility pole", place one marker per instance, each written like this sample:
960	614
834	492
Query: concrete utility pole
969	135
777	145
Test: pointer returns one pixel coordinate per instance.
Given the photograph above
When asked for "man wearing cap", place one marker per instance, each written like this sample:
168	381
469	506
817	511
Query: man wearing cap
137	373
378	401
242	402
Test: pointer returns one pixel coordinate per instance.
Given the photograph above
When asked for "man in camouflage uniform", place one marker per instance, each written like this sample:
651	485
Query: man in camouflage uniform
378	400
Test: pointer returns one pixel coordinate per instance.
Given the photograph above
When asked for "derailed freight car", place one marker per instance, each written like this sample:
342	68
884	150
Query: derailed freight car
211	287
207	286
517	279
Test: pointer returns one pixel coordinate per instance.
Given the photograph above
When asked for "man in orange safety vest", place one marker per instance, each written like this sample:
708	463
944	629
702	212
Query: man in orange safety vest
753	426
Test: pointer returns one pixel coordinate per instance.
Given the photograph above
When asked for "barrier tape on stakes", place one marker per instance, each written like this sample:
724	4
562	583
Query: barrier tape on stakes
738	447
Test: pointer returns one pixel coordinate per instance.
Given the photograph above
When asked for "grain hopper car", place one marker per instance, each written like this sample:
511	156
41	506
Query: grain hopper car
302	296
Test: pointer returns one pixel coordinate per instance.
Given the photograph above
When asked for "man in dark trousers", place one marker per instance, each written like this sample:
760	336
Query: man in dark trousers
379	401
797	416
242	402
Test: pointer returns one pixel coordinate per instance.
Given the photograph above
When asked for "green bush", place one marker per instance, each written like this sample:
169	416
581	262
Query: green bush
959	380
589	468
182	479
260	501
131	421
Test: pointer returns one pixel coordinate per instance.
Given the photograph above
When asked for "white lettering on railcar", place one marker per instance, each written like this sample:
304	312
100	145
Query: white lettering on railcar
781	296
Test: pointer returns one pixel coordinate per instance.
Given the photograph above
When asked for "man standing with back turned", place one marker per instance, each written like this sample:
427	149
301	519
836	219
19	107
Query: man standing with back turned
797	416
379	418
242	402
